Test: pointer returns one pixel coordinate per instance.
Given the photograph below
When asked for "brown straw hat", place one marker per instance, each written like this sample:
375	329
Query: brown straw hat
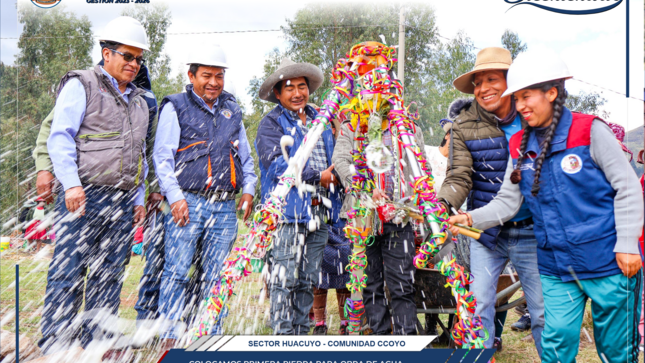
487	59
289	69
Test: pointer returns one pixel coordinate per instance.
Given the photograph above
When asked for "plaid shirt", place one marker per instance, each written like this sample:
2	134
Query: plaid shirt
318	158
387	179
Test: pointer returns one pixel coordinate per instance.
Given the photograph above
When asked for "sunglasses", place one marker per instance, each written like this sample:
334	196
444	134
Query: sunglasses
129	57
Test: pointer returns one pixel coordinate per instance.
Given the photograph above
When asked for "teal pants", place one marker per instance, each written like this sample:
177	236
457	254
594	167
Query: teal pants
615	309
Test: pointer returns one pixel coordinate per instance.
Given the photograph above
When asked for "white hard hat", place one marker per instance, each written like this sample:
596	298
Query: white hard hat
208	56
126	30
535	67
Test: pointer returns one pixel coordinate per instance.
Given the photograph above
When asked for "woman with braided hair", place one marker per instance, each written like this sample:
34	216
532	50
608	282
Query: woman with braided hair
588	212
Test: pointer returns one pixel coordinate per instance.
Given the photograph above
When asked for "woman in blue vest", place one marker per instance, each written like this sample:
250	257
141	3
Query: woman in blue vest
588	213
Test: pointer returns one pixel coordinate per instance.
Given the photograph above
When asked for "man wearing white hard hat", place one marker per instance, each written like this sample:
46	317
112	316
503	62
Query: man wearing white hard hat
203	159
587	205
97	148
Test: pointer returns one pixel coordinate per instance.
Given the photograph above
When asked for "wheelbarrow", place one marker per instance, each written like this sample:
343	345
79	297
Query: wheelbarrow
432	297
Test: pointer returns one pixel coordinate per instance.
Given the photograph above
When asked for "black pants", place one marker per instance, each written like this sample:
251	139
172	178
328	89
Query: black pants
389	260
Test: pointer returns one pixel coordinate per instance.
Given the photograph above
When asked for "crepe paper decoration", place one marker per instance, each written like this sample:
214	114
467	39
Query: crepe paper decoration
363	92
376	93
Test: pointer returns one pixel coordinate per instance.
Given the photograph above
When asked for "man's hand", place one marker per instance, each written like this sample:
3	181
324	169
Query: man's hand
459	218
154	202
629	263
179	211
75	200
378	194
327	177
248	208
139	215
44	185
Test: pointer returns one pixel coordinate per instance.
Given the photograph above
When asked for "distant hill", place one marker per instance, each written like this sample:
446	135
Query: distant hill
634	141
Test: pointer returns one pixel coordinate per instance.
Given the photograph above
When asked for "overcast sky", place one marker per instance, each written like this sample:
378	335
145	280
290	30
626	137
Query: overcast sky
592	45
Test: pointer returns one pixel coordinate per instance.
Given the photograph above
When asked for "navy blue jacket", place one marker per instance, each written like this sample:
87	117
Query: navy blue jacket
475	135
142	80
574	211
273	126
207	156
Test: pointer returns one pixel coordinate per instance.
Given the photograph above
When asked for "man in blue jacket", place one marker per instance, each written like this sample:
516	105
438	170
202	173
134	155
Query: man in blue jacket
301	238
202	159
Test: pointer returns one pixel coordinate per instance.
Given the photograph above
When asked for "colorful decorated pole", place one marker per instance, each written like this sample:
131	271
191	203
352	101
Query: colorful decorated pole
377	90
364	88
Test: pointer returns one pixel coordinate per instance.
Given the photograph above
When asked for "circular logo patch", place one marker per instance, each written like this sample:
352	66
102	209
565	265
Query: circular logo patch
227	113
571	164
45	3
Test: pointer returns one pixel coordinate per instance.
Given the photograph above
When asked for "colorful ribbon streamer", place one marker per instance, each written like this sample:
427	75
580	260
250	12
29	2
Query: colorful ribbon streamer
376	91
361	86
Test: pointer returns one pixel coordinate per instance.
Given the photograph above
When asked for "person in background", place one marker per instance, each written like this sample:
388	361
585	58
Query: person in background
438	155
335	259
137	247
641	325
588	210
34	232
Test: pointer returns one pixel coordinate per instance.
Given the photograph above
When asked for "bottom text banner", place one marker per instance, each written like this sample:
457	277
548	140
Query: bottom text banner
326	349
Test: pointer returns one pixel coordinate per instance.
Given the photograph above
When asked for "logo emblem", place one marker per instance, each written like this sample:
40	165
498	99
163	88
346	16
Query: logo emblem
46	4
571	164
582	7
227	113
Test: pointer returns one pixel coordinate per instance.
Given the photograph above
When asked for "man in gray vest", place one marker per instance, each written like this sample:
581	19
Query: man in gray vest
97	147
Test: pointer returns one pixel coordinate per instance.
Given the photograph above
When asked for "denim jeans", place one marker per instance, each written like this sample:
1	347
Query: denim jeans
92	247
147	305
295	272
213	226
520	247
389	261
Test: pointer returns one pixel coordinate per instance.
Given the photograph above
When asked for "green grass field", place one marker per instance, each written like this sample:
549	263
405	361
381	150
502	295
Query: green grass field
247	315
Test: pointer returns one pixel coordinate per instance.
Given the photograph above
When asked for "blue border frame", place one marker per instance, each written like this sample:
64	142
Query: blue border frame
627	50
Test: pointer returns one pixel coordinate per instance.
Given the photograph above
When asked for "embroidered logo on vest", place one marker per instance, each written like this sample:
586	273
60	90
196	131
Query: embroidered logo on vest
227	113
527	166
571	164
